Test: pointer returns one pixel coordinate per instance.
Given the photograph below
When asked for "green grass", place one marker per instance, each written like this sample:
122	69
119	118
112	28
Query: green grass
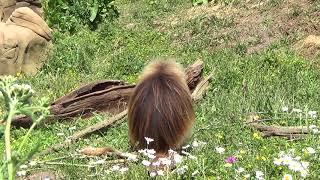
262	82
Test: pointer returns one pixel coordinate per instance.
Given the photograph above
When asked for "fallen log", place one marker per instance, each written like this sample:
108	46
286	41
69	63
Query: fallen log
103	96
202	86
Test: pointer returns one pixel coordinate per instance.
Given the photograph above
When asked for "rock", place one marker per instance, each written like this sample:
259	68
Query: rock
26	17
24	40
8	6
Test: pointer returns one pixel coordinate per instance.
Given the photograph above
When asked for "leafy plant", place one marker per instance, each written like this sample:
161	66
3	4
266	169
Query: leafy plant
67	15
17	101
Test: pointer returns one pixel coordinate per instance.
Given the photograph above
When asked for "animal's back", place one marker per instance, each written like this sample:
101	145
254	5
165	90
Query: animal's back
161	107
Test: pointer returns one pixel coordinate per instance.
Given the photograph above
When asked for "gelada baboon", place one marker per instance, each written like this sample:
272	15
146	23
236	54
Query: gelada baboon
161	107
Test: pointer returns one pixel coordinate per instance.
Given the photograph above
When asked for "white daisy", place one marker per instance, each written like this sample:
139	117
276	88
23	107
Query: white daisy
287	177
310	150
177	158
115	168
295	166
259	175
312	114
285	109
149	140
277	161
296	110
195	173
153	174
312	126
21	173
160	173
123	169
195	144
146	163
220	150
240	170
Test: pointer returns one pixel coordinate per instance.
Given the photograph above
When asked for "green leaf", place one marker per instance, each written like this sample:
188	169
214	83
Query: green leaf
94	10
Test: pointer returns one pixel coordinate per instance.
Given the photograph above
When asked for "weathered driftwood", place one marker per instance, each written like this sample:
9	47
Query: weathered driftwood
109	96
104	124
103	96
203	85
289	132
194	74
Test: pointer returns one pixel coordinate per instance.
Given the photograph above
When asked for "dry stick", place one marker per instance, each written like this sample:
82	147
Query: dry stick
67	164
290	132
84	165
282	130
75	137
199	90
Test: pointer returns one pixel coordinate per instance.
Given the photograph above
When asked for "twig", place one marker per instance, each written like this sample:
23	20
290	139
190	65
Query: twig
117	161
268	119
290	132
58	158
85	132
66	164
279	130
262	120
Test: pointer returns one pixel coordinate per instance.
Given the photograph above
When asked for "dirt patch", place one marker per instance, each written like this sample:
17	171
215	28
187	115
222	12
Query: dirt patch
40	175
309	47
255	25
208	11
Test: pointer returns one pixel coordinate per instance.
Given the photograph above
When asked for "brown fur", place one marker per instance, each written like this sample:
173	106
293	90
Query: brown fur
161	107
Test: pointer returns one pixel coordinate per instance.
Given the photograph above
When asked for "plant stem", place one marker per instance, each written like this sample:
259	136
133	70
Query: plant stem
7	141
1	173
27	135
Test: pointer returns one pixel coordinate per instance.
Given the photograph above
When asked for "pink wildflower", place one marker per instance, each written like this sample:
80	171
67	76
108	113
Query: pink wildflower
231	159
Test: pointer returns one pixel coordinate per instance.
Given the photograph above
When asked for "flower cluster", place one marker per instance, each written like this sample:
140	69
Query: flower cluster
220	150
314	129
259	175
312	114
120	169
287	177
23	168
23	88
241	172
230	160
14	91
294	163
158	165
21	92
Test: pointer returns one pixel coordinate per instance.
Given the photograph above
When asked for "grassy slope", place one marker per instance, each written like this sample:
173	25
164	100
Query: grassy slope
276	76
